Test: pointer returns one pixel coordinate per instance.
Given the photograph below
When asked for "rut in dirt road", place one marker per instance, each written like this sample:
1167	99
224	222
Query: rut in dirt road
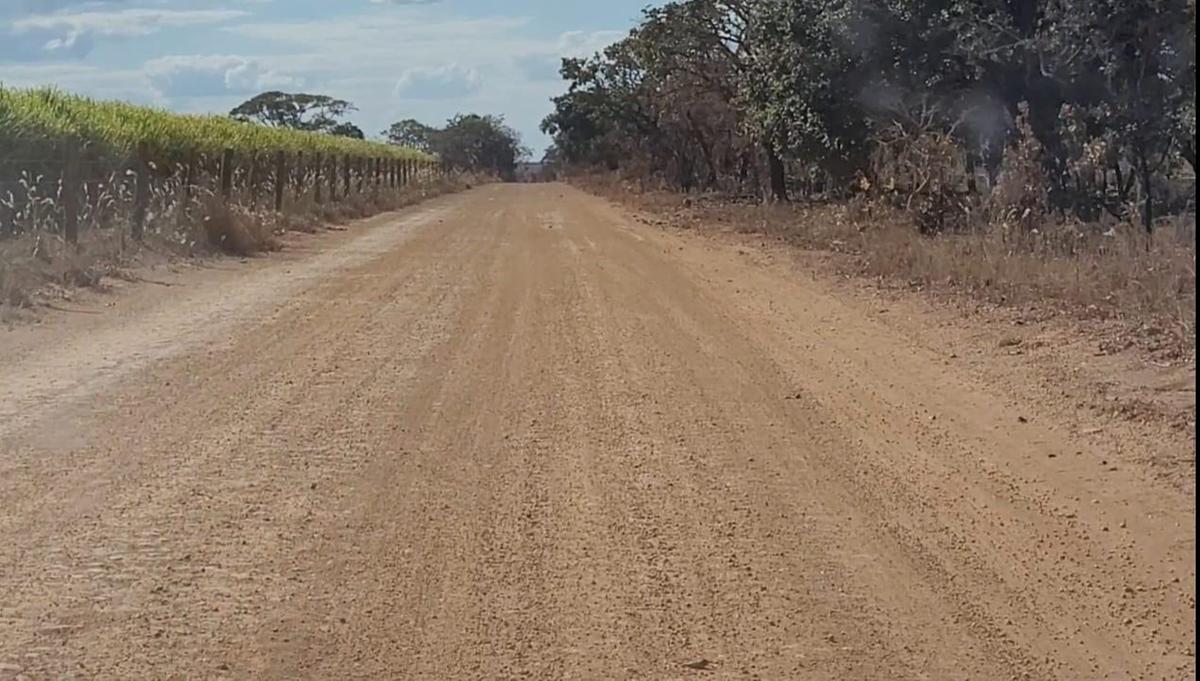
514	435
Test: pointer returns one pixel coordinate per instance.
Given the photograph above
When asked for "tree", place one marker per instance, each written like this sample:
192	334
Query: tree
1104	90
1147	78
314	113
478	143
347	130
605	115
410	133
800	91
1185	118
664	98
467	142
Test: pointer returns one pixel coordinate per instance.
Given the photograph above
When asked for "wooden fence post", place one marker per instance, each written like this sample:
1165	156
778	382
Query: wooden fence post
185	200
300	175
346	176
280	179
333	178
141	196
188	177
253	178
92	188
227	161
318	178
70	194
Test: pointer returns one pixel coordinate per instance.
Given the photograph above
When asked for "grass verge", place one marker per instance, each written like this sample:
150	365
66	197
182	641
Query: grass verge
38	267
1144	289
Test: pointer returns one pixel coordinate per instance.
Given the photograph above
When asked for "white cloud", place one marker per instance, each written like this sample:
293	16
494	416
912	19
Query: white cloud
32	37
393	58
17	8
33	46
401	31
214	75
441	82
105	83
586	43
125	22
543	63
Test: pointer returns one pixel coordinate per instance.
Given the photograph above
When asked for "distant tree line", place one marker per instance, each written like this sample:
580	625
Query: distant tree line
468	142
1092	101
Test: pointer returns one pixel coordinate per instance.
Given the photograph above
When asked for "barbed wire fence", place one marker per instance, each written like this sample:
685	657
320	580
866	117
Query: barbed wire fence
79	190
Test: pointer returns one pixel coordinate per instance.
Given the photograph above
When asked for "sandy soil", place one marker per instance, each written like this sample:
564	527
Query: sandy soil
516	434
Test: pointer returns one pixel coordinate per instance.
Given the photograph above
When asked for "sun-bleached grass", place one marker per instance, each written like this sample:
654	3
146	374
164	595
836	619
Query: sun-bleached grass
1110	272
38	264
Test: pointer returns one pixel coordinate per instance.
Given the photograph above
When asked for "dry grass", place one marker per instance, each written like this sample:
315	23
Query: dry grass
1113	273
39	266
236	231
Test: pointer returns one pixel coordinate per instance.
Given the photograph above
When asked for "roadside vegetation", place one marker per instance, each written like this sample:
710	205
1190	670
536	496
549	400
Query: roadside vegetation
479	143
88	187
1029	150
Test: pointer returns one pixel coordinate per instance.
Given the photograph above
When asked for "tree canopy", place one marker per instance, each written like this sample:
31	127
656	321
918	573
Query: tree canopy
468	141
410	133
807	95
313	113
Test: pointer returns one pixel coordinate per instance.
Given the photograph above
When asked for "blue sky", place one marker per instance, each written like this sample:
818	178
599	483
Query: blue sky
394	59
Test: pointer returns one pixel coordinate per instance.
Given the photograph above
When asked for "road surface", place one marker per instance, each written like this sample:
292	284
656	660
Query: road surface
513	434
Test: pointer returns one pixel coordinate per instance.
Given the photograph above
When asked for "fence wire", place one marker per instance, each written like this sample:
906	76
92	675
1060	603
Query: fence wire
62	195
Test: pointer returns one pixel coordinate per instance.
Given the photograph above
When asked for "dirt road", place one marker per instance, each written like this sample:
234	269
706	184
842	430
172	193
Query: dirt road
513	434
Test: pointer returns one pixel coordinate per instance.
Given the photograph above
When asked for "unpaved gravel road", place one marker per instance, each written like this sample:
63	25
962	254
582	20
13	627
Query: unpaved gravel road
513	434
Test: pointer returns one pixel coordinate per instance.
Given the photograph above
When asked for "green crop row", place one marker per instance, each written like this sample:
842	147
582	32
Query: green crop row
33	119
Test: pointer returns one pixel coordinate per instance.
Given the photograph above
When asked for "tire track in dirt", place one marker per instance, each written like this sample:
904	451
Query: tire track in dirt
519	437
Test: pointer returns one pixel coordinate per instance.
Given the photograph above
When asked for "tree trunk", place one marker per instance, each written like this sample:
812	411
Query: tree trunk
1188	151
1148	191
778	174
710	164
706	152
685	172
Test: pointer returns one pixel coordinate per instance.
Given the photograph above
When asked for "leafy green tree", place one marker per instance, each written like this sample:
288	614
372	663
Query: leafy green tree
467	142
478	143
701	90
1139	48
604	115
347	130
800	91
410	133
314	113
